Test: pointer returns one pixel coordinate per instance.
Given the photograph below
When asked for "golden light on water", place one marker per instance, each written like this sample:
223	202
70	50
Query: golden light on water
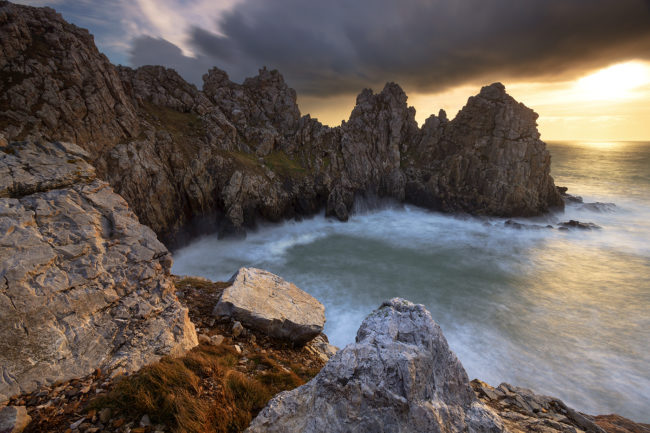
602	145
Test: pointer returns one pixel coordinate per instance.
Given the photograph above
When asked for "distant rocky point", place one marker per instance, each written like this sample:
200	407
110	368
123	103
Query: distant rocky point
223	156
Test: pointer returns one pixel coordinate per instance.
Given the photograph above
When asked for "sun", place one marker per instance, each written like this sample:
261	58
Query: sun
615	82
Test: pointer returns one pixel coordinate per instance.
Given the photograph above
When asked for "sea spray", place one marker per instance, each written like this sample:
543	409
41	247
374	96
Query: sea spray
562	312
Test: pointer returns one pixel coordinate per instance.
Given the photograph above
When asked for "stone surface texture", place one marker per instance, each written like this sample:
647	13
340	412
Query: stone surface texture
524	411
221	157
263	301
399	376
488	160
13	419
83	285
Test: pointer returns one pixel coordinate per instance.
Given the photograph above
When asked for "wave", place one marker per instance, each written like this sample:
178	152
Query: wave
562	312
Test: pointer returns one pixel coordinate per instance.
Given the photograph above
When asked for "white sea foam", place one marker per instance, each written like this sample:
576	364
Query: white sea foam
562	312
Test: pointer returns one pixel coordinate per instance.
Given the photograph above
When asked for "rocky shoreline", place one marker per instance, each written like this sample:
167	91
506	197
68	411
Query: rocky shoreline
98	162
88	404
227	154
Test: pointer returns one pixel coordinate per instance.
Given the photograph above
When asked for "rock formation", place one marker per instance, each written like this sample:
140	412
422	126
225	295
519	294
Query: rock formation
399	376
488	160
521	411
83	285
265	302
230	153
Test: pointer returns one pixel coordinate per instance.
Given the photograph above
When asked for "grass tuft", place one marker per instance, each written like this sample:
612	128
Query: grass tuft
204	391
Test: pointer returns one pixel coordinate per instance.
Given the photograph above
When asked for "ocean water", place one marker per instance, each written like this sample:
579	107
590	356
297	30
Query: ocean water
565	313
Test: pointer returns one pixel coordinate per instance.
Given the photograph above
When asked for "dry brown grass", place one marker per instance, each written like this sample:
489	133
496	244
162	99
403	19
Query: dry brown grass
205	391
201	284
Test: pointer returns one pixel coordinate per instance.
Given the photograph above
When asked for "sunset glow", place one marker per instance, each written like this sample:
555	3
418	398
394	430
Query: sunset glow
607	104
590	81
614	83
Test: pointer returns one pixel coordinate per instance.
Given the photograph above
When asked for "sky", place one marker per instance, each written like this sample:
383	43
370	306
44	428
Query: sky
583	65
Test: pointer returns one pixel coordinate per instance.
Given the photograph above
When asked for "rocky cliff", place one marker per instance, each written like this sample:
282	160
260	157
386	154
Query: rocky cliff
230	153
83	285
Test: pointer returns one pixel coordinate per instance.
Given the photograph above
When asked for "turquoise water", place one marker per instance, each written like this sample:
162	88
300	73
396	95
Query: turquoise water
564	313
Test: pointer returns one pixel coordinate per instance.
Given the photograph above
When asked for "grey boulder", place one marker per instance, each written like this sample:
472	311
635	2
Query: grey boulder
399	376
263	301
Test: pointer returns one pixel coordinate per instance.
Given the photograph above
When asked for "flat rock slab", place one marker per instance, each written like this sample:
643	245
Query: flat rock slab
263	301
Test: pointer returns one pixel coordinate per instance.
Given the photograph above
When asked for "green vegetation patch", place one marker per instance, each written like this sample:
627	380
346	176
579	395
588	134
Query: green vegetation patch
184	127
283	165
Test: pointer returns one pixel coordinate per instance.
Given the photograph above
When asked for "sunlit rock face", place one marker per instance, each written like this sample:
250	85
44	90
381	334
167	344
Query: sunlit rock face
488	160
399	376
83	285
231	153
263	301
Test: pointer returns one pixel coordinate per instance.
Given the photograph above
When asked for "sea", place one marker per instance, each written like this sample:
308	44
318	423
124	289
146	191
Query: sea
563	312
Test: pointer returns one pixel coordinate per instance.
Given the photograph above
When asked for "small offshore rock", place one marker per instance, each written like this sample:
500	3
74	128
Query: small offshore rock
13	419
579	225
515	225
599	207
264	301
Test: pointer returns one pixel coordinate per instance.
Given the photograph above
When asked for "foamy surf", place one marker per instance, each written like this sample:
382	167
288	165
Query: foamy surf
562	312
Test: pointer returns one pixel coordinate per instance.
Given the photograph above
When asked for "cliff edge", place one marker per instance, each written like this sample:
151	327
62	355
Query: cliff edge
230	153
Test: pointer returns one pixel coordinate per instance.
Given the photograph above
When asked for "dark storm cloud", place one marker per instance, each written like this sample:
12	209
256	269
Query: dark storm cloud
340	46
155	51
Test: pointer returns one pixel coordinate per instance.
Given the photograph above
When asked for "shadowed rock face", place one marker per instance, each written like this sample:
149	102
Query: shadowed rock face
53	79
398	376
234	152
83	285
